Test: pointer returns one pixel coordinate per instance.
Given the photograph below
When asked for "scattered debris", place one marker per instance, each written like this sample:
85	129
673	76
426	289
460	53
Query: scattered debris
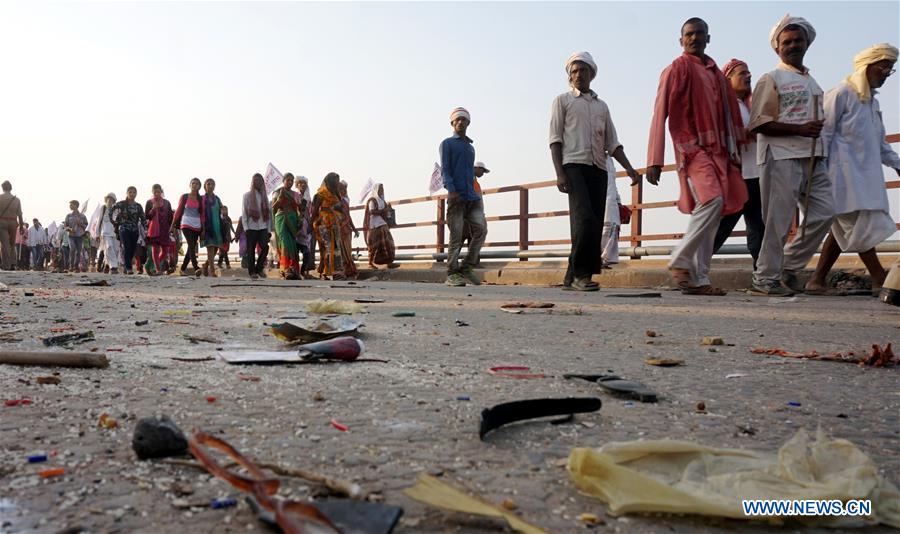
53	472
68	339
107	422
430	490
701	407
650	333
646	295
204	359
460	322
141	323
326	306
590	519
664	362
227	502
712	340
514	371
368	301
54	359
17	402
463	398
48	380
37	458
735	375
528	305
795	404
316	330
200	339
95	283
880	356
509	504
158	437
510	412
211	399
248	378
338	426
403	313
617	385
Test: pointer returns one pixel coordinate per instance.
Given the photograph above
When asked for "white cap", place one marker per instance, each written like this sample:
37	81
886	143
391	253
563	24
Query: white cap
482	165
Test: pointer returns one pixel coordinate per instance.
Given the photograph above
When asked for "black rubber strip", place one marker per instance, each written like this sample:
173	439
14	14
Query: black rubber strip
510	412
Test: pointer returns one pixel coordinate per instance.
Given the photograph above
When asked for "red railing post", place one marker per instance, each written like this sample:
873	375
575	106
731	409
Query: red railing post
441	224
523	221
637	227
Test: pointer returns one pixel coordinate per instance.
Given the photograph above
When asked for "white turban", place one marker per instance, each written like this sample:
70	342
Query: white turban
787	20
873	54
460	112
584	57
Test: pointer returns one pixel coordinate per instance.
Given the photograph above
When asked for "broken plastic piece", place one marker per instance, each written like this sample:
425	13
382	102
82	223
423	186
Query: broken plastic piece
17	402
430	490
37	458
664	362
342	428
210	399
510	412
228	502
515	305
326	306
66	339
340	348
54	472
403	313
614	384
107	422
358	517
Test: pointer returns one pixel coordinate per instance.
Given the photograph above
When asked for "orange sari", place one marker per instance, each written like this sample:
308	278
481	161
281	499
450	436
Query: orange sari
334	253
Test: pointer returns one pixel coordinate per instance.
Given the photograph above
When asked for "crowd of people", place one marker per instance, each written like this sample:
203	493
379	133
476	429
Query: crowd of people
125	236
758	153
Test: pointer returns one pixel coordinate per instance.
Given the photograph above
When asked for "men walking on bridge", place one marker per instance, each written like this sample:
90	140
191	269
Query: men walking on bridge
582	137
705	125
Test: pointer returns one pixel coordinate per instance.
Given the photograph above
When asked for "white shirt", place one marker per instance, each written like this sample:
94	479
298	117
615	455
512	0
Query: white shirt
854	134
36	236
749	168
786	95
581	122
107	228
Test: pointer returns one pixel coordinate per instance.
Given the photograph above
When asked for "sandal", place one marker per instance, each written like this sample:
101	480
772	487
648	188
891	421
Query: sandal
681	277
706	290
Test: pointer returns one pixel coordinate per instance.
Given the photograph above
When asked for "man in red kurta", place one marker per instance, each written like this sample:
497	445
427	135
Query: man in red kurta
705	126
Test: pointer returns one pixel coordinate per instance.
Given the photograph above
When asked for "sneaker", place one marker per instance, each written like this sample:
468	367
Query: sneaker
469	274
455	280
792	282
770	288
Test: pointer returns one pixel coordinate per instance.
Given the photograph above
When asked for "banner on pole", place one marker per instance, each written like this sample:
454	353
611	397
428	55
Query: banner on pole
272	178
437	181
94	225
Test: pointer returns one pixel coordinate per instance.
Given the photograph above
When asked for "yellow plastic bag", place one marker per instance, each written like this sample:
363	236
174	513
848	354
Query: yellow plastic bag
685	478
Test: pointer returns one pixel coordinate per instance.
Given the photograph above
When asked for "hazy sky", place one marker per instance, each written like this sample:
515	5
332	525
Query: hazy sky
99	96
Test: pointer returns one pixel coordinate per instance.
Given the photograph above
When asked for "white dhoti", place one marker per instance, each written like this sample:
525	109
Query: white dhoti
862	230
609	241
112	251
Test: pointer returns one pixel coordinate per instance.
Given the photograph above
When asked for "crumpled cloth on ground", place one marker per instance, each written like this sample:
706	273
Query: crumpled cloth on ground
681	477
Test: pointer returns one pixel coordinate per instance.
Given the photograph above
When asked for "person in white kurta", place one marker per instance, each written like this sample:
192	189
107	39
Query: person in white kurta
609	241
854	132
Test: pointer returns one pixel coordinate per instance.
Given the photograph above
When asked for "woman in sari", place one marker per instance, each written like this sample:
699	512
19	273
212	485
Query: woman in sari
328	219
212	226
376	231
287	223
347	228
305	233
159	215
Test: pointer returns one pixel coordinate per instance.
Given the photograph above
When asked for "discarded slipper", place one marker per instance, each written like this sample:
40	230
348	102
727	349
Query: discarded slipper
617	385
510	412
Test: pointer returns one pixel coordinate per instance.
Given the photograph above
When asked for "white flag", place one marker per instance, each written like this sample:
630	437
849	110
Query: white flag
94	226
273	179
84	206
437	181
367	188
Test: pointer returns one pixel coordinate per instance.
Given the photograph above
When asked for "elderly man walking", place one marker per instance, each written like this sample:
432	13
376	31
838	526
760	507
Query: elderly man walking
10	223
788	116
706	129
463	202
854	137
582	137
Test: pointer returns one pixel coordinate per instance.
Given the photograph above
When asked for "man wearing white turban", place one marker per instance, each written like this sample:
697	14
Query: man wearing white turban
854	134
463	202
582	136
788	116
